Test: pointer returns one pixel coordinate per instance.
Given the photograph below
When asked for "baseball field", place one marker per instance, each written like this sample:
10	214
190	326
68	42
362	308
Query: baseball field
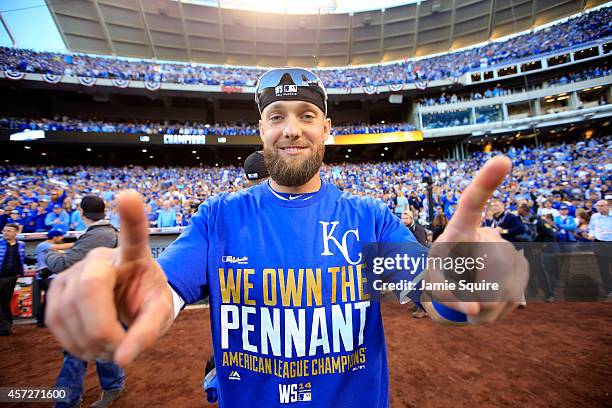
548	355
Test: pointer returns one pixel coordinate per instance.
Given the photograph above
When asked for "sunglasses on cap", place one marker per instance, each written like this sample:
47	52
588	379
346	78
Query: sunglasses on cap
301	78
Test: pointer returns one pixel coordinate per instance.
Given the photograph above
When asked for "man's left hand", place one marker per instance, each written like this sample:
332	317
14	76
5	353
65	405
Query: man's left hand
503	263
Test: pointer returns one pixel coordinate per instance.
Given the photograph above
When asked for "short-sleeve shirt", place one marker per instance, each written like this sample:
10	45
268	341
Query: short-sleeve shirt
291	324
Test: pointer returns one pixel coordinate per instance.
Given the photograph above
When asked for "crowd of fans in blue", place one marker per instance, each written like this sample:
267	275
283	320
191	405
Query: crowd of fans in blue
432	120
67	124
548	180
589	73
580	30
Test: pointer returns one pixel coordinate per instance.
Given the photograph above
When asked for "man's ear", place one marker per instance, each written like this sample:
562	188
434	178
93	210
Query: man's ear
327	124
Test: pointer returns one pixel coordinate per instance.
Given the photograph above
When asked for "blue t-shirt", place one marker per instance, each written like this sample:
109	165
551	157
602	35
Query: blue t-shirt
292	321
42	250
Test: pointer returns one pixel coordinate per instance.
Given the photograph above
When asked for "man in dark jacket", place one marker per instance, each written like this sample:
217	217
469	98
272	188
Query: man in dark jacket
421	236
506	223
12	254
541	259
99	233
417	230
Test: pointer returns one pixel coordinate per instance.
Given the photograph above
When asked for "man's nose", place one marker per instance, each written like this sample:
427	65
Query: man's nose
292	127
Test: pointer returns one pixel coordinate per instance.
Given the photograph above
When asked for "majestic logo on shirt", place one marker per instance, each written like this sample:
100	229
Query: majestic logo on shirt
234	260
289	393
234	375
328	235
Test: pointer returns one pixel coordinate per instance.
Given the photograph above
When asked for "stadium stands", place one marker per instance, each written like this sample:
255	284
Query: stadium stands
576	174
580	30
83	125
443	99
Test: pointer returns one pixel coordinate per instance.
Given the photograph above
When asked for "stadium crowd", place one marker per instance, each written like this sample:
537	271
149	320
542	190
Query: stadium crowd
133	127
438	120
68	124
546	180
590	73
444	99
582	29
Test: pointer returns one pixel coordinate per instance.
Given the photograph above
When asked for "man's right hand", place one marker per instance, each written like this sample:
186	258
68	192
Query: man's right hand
91	301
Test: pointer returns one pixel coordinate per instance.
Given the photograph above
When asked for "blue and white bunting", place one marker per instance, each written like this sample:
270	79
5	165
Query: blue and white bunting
14	74
370	89
396	87
87	81
120	82
420	84
52	78
152	85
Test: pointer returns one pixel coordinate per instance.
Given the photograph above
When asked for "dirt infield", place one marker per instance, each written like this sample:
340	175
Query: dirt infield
557	355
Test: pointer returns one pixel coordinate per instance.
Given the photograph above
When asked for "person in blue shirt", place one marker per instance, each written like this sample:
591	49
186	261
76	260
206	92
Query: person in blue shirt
180	221
76	221
566	225
448	199
291	319
41	216
4	217
15	218
53	242
166	216
57	198
58	219
30	216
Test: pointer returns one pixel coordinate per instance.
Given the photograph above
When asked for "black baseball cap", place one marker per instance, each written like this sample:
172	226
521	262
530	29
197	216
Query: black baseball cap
254	166
93	207
290	84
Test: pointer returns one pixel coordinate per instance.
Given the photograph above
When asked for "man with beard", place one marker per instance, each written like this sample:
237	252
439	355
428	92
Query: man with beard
292	317
417	229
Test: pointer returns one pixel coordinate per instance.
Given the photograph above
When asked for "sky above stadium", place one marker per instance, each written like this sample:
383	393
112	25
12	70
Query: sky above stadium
32	26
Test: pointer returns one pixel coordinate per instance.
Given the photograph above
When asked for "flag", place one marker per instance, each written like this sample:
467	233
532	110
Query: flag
52	78
120	82
87	81
152	85
14	74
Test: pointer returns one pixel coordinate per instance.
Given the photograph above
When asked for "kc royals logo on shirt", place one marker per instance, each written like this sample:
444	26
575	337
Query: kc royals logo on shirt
329	229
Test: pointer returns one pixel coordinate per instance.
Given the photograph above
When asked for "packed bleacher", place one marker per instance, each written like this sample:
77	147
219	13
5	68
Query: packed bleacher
67	124
590	73
602	70
574	176
439	120
580	30
444	99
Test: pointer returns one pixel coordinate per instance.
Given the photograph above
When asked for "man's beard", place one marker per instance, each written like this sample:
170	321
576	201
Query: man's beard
289	173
